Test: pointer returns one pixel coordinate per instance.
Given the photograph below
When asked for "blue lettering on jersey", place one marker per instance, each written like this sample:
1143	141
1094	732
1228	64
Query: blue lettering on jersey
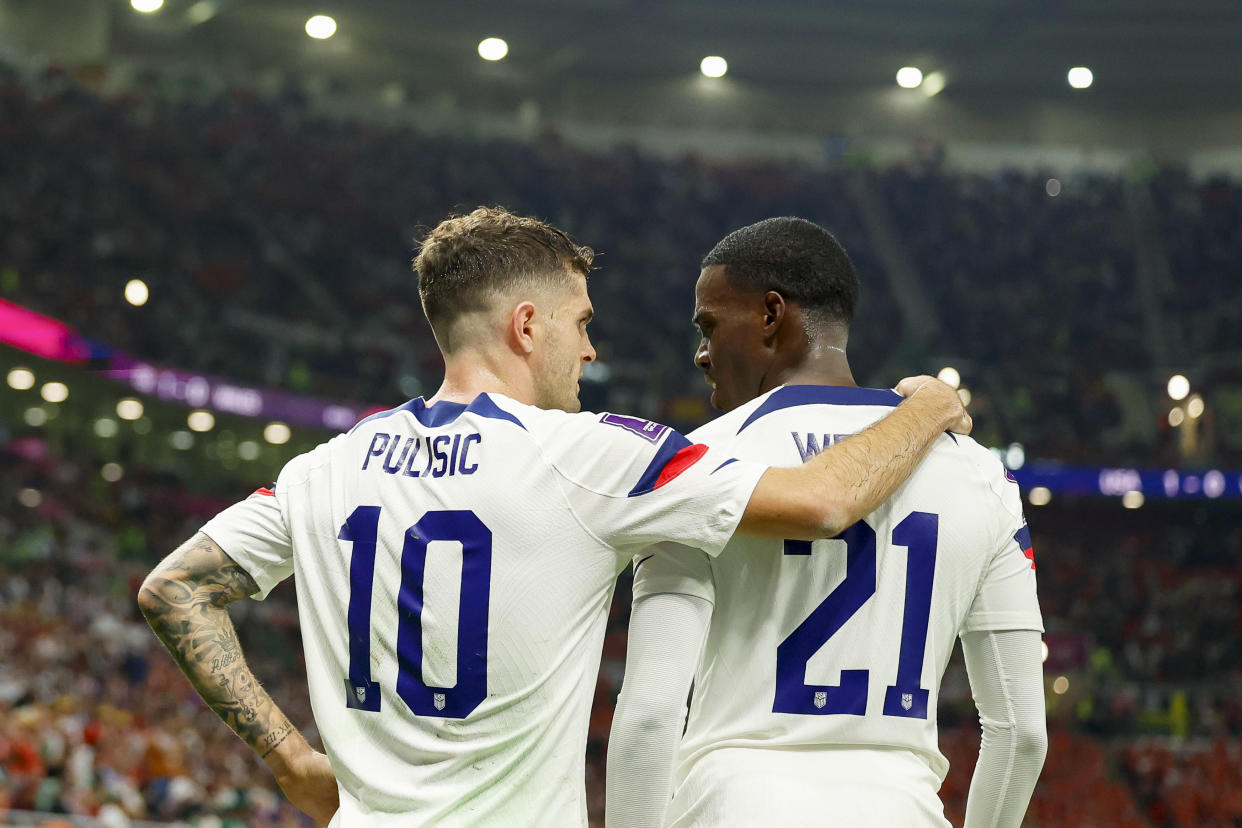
448	455
812	445
649	431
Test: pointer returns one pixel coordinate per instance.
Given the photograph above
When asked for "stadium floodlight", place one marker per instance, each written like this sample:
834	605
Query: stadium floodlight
713	66
493	48
964	395
1039	496
30	498
35	416
1043	646
1052	187
909	77
1179	387
1132	499
129	409
201	421
147	6
1060	685
106	427
181	440
321	27
248	450
202	11
1080	77
933	84
112	472
1015	456
1177	416
55	392
950	376
277	433
136	292
1194	407
21	379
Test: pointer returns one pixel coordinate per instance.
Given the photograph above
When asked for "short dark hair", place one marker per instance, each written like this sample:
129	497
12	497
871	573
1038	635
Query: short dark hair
796	258
467	258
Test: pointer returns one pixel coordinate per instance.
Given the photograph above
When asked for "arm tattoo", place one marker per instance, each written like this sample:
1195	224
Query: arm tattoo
185	600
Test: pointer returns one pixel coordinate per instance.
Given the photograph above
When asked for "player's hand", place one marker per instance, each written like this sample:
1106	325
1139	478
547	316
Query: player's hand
957	418
310	784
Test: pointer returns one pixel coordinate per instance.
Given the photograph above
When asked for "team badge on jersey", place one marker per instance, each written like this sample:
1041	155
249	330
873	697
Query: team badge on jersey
649	431
907	701
821	698
438	701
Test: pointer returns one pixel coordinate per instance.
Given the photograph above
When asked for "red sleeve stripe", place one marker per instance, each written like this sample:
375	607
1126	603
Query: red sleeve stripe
264	491
682	460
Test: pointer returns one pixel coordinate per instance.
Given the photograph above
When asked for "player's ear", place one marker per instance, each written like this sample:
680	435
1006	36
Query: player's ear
520	328
775	310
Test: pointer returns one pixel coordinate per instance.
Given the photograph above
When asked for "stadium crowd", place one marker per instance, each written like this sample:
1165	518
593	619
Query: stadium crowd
276	246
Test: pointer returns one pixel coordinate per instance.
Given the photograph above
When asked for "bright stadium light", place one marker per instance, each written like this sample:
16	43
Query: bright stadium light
147	6
321	27
1132	499
964	395
713	66
181	440
202	11
201	421
112	472
1043	646
1040	496
1060	685
105	427
950	376
277	433
1015	456
1194	407
129	409
1177	416
909	77
248	450
493	48
35	416
55	392
1080	77
30	498
136	292
933	84
1179	387
22	379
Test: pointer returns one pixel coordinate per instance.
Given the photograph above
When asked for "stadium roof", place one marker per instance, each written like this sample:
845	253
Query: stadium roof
820	66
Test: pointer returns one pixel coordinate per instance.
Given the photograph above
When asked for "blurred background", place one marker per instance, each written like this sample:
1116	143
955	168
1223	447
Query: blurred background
207	213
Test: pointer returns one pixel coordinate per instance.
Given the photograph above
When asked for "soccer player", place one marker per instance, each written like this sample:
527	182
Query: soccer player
455	557
816	666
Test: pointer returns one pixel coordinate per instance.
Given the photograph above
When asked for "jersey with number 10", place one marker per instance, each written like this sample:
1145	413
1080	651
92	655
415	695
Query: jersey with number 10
842	643
454	566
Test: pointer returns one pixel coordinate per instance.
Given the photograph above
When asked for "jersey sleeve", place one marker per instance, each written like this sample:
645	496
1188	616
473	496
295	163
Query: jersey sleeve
1006	598
632	482
255	534
673	568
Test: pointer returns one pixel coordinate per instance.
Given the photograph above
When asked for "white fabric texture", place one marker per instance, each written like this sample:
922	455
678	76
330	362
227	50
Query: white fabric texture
666	637
1006	677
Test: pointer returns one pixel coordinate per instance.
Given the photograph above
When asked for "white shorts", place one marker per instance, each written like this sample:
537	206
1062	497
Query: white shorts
821	788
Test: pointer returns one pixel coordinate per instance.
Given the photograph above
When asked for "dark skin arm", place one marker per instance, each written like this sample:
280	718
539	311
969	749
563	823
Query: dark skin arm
185	600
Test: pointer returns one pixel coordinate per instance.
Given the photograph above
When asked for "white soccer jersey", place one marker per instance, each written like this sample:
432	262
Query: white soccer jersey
841	642
454	567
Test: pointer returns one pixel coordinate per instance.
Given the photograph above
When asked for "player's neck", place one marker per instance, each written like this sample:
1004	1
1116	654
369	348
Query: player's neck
823	365
466	377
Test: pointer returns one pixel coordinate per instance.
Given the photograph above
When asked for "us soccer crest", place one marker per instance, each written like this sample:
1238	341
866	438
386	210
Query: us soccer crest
907	701
361	693
821	698
438	701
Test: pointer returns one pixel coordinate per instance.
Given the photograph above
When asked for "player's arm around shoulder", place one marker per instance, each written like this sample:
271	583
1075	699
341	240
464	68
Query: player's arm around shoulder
848	481
185	599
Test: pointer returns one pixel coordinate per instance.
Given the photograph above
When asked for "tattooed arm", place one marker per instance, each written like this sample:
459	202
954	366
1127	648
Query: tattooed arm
185	600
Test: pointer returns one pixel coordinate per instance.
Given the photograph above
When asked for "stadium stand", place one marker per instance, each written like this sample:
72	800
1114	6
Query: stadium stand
276	245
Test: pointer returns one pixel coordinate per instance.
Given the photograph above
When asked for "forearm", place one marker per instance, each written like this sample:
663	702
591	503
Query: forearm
846	482
666	636
1006	678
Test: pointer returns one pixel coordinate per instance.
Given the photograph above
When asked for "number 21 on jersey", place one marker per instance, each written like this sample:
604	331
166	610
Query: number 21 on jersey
905	697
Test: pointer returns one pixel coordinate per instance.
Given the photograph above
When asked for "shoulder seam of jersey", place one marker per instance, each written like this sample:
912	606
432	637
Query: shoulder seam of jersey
788	396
